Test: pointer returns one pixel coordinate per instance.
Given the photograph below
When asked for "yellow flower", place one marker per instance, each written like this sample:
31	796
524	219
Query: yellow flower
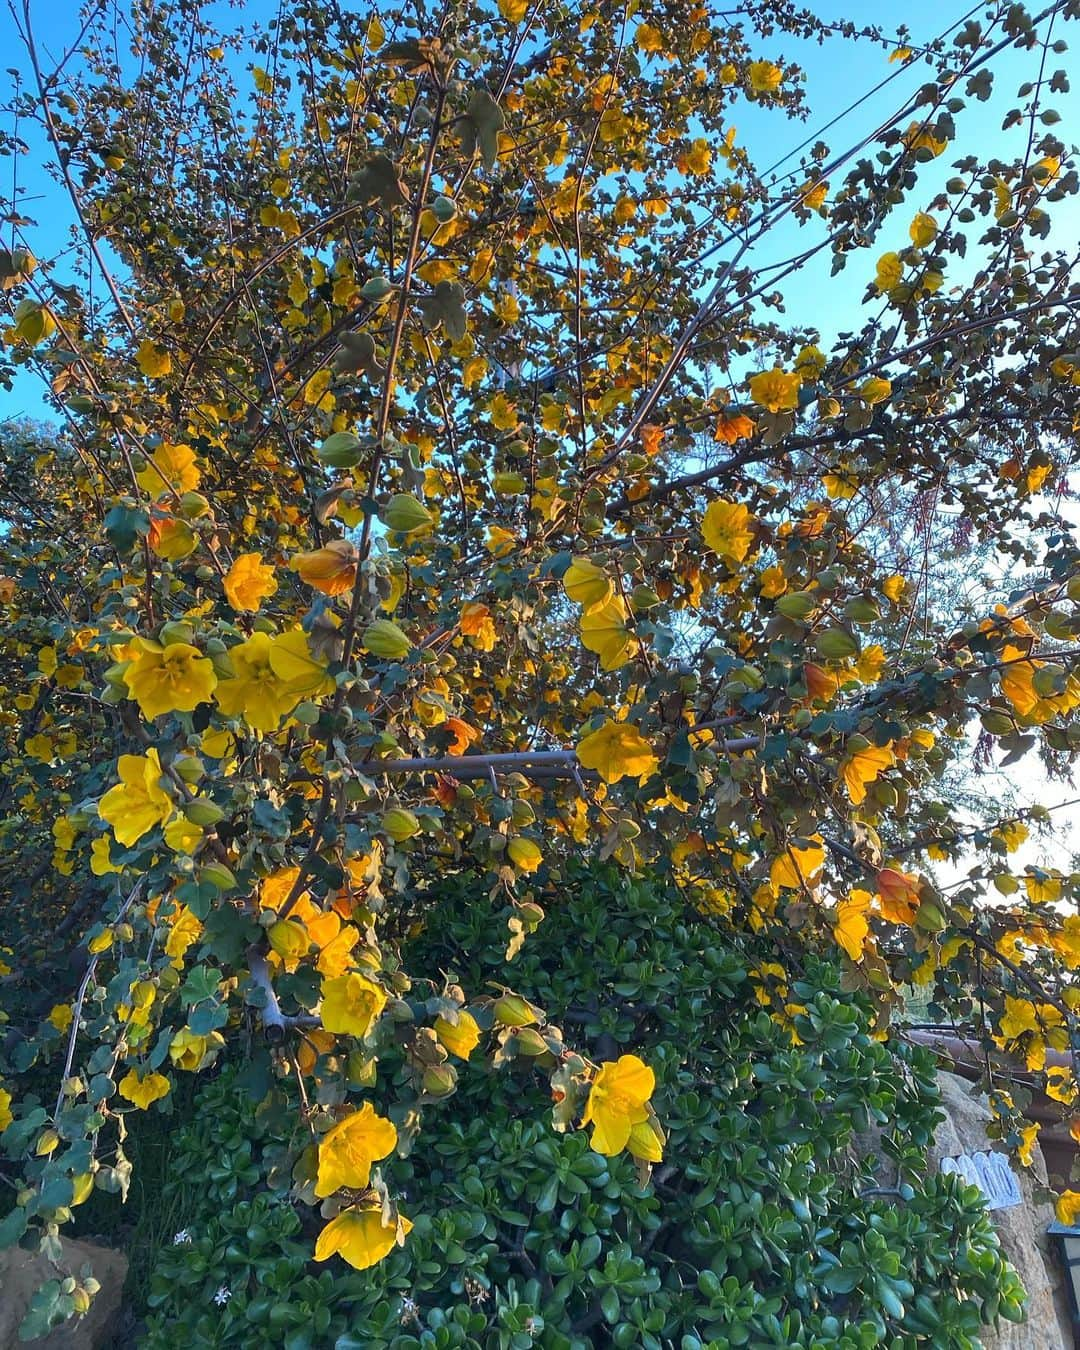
919	137
137	803
798	864
171	468
5	1109
256	692
898	893
176	678
182	836
360	1237
863	767
763	77
143	1091
776	390
728	529
1028	1136
646	1141
923	230
890	271
648	38
1068	1207
477	625
604	632
697	160
292	660
587	585
461	1037
852	925
350	1004
347	1151
101	863
331	569
875	389
183	931
524	854
60	1017
1019	1017
152	360
617	1102
187	1050
814	194
617	750
248	582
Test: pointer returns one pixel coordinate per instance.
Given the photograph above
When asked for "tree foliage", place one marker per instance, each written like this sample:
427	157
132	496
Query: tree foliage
368	551
766	1227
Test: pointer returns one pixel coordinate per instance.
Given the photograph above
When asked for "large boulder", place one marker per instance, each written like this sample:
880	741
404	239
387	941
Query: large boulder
22	1273
1021	1228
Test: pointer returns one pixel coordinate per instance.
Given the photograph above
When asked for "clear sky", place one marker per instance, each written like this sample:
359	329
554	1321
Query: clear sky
850	86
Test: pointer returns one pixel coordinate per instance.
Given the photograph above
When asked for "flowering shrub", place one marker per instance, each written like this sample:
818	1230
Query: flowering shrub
765	1226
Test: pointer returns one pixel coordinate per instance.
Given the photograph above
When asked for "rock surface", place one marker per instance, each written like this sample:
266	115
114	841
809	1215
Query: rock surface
21	1273
1022	1228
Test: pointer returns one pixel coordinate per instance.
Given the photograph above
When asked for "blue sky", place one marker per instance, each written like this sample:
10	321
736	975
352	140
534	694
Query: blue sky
839	74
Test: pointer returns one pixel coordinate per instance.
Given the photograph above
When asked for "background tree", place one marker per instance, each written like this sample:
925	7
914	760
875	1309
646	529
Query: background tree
368	551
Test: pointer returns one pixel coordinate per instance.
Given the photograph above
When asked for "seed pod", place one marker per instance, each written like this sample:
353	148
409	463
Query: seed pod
835	644
400	824
376	290
404	513
385	639
797	605
342	450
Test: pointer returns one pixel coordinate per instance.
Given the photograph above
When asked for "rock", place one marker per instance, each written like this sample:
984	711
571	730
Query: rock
1021	1228
22	1273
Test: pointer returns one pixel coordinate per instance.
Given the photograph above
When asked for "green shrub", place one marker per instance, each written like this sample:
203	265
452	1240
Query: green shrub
764	1226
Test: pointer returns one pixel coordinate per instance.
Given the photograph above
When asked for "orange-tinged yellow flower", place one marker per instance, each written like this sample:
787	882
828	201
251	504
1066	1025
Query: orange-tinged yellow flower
898	895
175	678
461	1037
170	537
776	390
331	569
477	625
732	427
618	1101
248	582
361	1237
617	750
728	529
350	1004
347	1151
862	767
137	803
143	1091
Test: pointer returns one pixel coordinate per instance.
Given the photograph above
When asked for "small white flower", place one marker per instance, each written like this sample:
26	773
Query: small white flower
222	1296
181	1239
